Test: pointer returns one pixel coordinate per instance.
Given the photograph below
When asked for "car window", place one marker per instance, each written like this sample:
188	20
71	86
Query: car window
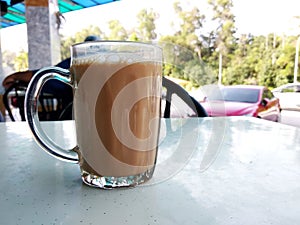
247	95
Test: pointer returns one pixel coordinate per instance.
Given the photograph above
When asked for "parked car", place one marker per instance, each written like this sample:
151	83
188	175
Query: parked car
242	100
289	96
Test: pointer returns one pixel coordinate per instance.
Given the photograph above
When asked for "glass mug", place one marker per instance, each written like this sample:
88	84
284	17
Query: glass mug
116	107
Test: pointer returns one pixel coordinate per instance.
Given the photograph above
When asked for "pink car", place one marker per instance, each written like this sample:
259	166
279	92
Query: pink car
242	100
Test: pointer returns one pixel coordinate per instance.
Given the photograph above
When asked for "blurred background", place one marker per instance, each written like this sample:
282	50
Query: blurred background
253	42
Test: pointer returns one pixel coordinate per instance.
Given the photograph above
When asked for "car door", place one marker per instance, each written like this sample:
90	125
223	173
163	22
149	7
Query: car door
290	97
270	109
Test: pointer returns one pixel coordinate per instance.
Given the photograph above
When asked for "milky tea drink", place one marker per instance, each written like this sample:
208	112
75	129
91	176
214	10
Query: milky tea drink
117	116
117	94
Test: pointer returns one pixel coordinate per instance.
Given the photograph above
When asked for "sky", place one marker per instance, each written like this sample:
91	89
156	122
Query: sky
252	16
267	16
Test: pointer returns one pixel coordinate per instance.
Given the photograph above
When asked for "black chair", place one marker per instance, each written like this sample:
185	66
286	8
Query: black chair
53	107
173	89
50	107
14	97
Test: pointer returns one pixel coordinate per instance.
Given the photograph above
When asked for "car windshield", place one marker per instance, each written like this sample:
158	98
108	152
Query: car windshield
236	95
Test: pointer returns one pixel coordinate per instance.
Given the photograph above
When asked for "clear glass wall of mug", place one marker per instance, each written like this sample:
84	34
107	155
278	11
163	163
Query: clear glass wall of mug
117	91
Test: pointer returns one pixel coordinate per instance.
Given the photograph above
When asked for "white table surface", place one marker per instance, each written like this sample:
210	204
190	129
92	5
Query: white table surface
237	170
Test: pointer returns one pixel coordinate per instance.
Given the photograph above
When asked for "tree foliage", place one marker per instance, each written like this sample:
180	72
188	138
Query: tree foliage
117	31
192	54
21	61
78	37
146	29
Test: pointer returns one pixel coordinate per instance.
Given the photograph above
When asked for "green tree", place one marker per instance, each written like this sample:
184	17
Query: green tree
146	28
224	34
21	61
285	63
117	31
133	36
183	49
262	60
192	54
278	63
199	73
67	42
191	23
8	59
225	31
242	68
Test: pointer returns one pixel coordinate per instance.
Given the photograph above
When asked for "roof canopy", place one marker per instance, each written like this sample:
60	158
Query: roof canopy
14	14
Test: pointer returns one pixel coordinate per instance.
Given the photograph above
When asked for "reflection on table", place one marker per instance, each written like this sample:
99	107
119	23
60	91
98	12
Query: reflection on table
233	170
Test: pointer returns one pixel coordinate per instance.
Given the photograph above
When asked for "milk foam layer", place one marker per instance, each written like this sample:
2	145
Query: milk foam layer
115	58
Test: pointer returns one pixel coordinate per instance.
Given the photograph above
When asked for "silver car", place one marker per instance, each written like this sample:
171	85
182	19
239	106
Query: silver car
289	96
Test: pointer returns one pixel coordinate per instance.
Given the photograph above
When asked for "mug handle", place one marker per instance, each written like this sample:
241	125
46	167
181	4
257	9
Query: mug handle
31	112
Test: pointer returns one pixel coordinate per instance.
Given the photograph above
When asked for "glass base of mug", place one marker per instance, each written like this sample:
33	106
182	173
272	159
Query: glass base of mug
115	182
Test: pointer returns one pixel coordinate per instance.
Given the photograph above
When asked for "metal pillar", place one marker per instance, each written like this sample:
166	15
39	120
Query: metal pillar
42	33
1	66
2	108
220	69
296	60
